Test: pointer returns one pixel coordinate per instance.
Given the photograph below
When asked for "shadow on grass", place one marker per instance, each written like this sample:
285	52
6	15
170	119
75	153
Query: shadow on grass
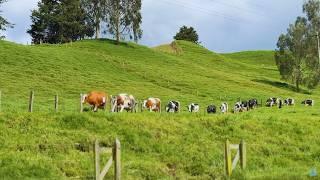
281	85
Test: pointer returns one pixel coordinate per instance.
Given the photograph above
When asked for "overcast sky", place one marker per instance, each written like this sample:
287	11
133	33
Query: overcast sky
223	25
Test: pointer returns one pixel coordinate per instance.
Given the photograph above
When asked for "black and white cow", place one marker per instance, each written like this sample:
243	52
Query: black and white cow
272	101
308	102
211	109
289	102
237	107
224	107
193	107
253	103
173	107
244	106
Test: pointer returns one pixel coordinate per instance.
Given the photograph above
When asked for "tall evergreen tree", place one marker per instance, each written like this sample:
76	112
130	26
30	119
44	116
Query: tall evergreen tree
59	21
124	19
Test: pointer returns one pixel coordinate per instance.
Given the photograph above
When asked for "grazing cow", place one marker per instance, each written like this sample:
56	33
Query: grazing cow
272	101
95	99
253	103
237	107
173	107
153	104
193	107
308	102
123	102
211	109
289	102
244	106
224	107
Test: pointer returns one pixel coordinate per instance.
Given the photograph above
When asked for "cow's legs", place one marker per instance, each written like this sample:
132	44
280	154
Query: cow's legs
121	109
95	109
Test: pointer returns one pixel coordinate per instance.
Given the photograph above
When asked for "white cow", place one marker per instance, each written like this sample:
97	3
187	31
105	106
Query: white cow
224	107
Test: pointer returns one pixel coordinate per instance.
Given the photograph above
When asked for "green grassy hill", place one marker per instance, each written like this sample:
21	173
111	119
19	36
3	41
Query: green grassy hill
281	143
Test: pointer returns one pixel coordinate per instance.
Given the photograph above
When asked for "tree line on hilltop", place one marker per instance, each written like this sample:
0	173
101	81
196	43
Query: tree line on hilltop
61	21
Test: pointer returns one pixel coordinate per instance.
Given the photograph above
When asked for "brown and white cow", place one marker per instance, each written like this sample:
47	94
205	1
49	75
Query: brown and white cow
123	102
95	99
152	104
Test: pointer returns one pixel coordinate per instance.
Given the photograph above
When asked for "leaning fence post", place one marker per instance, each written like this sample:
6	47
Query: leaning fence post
117	160
97	159
243	154
56	103
227	155
31	101
81	105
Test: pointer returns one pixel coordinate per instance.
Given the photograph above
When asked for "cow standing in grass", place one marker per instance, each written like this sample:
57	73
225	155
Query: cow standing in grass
237	107
96	99
152	104
173	107
308	102
253	103
272	101
123	102
224	108
211	109
193	107
289	102
244	106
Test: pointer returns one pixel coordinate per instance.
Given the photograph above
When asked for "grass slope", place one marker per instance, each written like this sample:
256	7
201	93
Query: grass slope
281	143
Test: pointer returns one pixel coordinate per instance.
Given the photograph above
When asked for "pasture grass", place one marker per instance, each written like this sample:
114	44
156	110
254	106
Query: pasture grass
281	143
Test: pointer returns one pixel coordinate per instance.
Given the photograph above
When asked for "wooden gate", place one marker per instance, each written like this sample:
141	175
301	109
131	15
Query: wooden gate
230	164
115	158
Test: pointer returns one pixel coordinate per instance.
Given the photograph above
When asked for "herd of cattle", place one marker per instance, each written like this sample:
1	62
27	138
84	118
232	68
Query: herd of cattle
121	102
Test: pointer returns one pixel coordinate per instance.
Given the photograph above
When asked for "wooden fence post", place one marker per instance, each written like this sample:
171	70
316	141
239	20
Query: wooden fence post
56	102
243	154
117	160
31	98
141	106
227	156
97	159
81	105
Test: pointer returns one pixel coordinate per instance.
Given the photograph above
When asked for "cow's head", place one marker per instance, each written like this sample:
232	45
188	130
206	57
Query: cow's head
84	98
144	104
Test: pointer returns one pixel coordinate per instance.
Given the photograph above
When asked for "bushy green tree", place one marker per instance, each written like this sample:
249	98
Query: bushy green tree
59	21
187	34
297	55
